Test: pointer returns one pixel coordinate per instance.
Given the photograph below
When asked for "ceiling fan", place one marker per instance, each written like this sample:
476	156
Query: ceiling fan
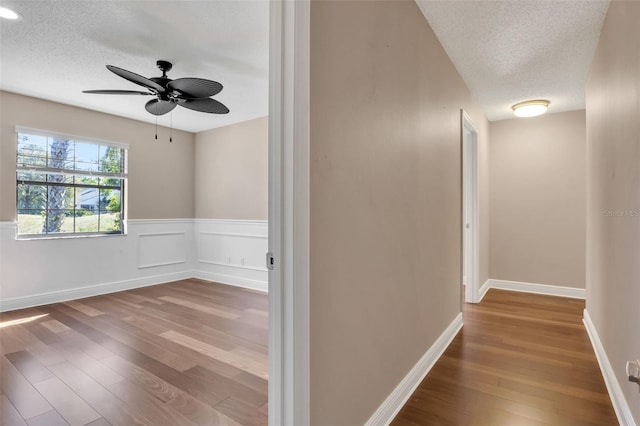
191	93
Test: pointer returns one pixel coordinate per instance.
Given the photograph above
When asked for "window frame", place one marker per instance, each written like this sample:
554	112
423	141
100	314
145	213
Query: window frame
122	176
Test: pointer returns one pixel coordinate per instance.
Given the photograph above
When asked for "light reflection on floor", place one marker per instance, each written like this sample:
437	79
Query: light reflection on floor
9	323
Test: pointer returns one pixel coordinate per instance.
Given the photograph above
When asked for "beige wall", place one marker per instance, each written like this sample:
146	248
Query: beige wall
538	199
161	177
385	200
232	171
613	159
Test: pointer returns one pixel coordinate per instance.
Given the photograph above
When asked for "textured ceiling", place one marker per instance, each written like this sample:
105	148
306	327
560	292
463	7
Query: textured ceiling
514	50
61	47
506	51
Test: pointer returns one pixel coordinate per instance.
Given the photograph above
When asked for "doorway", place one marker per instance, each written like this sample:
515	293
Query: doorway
470	207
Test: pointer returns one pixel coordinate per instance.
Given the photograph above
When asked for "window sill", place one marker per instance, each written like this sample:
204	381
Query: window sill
31	237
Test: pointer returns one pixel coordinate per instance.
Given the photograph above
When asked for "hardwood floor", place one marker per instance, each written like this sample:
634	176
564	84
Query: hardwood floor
184	353
520	359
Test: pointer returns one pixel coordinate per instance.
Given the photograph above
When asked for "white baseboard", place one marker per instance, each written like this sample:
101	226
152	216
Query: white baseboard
106	288
483	290
623	412
396	399
89	291
233	280
550	290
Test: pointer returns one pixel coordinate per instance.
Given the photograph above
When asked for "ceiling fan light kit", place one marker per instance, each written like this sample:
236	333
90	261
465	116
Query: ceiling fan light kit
531	108
191	93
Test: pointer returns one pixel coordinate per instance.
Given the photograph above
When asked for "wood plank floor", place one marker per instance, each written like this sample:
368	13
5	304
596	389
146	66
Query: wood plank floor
185	353
520	359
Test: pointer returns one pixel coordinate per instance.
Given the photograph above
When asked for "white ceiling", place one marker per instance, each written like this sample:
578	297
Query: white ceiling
506	51
514	50
61	47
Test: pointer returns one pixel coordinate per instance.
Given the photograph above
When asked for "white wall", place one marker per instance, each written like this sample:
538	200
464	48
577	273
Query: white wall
538	199
36	272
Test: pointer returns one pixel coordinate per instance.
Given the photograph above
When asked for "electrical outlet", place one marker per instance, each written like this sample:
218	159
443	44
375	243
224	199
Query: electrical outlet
633	371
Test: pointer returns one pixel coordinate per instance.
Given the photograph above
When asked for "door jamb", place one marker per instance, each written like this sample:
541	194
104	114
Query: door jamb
470	149
289	212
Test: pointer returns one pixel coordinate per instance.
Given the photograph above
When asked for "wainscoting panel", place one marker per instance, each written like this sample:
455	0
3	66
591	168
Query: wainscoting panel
232	252
162	249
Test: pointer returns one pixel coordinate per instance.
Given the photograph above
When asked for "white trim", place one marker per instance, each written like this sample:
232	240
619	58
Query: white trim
550	290
470	207
116	286
160	234
483	290
155	265
234	234
396	399
47	133
623	412
233	265
157	221
89	291
232	280
289	72
231	221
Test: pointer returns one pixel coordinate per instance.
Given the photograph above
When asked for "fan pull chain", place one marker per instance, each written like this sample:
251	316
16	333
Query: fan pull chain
156	127
171	127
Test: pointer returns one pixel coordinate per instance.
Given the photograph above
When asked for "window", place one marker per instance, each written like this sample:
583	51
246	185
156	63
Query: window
68	185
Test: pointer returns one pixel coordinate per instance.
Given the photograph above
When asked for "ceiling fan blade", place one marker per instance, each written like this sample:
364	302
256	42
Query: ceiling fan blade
158	107
195	87
204	105
116	92
135	78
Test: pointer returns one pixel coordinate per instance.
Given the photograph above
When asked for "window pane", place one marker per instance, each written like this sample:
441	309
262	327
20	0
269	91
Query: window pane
110	159
111	182
86	221
30	221
86	180
32	150
31	199
59	150
88	199
110	210
87	156
59	221
59	178
32	176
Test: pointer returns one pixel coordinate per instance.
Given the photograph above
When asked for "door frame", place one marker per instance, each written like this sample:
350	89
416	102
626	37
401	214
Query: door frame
289	212
470	208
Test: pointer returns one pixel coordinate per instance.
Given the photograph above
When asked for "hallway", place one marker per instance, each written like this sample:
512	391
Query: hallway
520	359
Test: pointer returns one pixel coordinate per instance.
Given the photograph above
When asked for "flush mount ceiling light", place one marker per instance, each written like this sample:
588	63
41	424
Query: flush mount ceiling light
8	13
530	108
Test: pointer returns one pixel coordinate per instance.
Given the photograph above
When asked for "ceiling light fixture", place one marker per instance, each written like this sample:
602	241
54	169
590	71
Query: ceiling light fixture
530	108
8	13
